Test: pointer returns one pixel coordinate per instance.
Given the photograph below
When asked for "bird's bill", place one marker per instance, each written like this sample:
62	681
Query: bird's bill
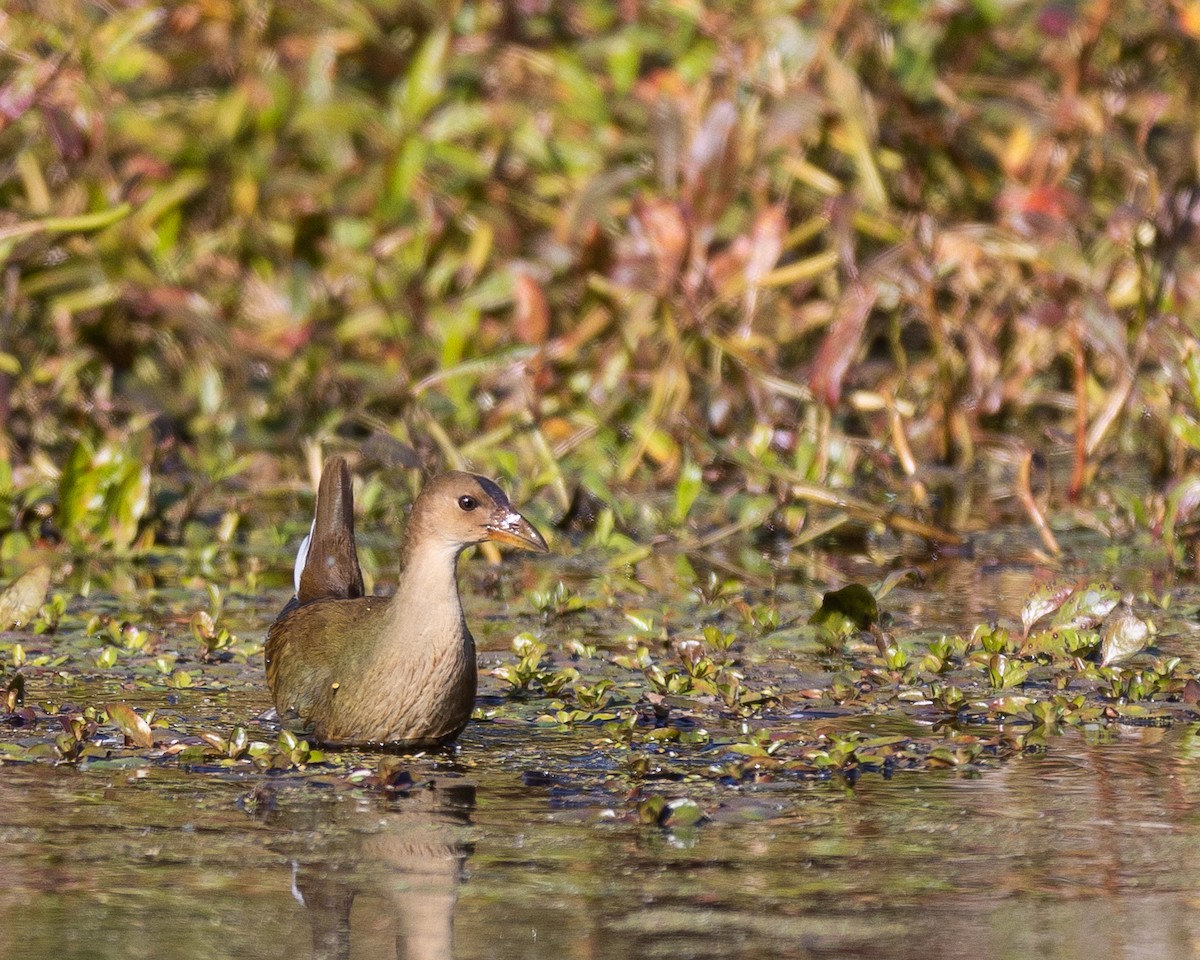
516	531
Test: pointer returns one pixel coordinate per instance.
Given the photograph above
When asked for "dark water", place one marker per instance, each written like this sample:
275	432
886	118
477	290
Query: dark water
525	842
1089	851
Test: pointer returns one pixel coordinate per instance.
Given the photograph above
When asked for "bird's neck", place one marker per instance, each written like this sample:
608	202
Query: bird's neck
426	607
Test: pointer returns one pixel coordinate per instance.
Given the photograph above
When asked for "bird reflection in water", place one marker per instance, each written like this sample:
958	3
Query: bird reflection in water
363	869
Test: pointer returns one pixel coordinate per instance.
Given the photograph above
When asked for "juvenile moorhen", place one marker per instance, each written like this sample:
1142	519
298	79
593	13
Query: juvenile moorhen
386	671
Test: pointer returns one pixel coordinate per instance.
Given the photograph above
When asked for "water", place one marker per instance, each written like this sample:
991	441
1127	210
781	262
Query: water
1090	850
527	841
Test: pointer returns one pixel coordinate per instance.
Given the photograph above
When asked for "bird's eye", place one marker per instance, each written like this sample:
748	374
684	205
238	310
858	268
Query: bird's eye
467	503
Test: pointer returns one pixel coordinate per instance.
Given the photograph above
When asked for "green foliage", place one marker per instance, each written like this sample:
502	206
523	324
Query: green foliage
851	608
589	254
21	600
528	671
559	601
729	313
103	493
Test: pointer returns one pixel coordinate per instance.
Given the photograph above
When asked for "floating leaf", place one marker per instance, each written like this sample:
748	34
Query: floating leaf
893	579
650	810
1087	607
683	812
1004	672
1126	635
20	602
853	607
130	723
1062	642
14	693
1191	692
1043	601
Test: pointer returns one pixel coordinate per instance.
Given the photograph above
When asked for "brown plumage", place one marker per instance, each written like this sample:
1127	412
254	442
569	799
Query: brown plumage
392	670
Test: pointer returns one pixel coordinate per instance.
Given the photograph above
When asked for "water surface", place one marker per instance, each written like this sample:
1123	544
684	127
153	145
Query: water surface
526	842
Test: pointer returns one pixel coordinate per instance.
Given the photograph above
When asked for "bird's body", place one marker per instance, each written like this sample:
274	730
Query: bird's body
397	670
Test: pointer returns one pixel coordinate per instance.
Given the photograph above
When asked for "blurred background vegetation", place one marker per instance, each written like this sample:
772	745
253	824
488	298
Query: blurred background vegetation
656	262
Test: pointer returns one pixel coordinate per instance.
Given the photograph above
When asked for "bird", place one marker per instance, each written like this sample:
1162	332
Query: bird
355	670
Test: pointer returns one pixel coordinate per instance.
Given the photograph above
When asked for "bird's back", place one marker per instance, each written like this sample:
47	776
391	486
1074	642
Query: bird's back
311	644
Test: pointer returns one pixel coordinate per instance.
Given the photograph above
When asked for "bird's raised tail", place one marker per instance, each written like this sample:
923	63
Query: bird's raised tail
327	564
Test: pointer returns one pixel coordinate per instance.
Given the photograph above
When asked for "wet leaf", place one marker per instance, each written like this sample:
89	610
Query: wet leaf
853	607
682	812
650	810
1062	642
22	599
14	693
1042	602
1085	608
130	723
1004	672
893	579
1125	636
214	740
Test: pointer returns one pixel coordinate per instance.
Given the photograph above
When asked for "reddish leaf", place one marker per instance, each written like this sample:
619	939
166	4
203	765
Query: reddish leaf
17	97
727	267
711	165
763	247
841	344
652	252
666	232
1042	209
531	313
766	242
130	723
69	140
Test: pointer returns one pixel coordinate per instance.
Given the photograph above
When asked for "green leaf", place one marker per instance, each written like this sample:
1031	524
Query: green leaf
890	582
853	607
103	494
1187	430
1062	642
78	224
687	489
1087	607
681	813
1043	601
426	76
130	723
1127	635
20	602
650	810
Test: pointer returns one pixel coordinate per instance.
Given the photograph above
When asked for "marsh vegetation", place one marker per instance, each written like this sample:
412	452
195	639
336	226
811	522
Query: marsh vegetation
846	353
